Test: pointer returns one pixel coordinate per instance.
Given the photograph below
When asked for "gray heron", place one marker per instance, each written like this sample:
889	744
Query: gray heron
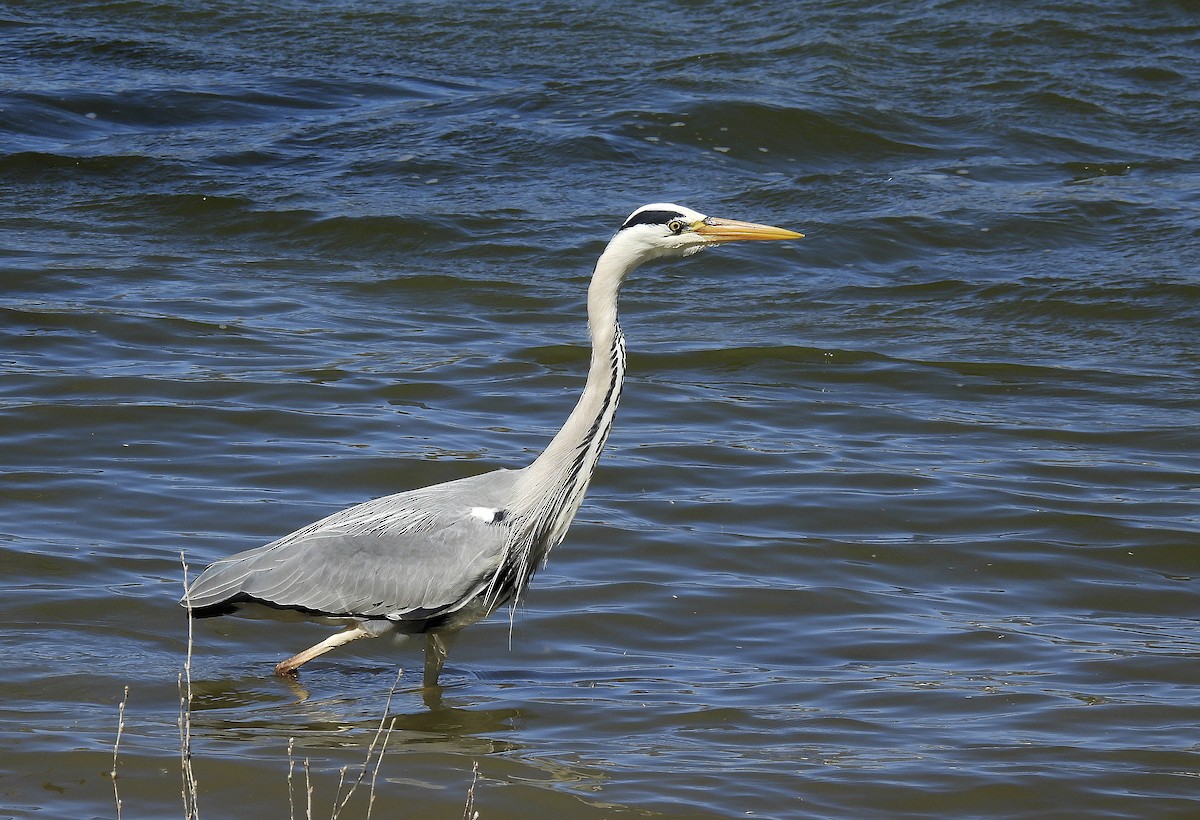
433	560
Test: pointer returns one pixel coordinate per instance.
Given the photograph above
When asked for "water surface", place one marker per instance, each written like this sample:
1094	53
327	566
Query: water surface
897	520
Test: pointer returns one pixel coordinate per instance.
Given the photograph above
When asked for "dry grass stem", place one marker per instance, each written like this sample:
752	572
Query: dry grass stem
291	770
190	792
378	763
309	788
337	808
116	749
469	812
366	765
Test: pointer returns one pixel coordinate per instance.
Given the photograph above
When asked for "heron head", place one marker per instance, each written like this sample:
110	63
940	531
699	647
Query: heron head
666	230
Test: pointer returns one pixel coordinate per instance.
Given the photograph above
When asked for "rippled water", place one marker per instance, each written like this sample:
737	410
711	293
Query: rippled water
898	520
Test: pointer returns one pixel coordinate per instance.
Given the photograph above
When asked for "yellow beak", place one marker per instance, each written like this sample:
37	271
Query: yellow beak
730	230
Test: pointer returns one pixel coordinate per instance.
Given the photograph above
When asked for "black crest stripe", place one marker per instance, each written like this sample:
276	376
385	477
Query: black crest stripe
651	218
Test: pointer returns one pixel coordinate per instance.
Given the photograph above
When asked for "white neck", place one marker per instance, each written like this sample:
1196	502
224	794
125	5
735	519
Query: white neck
557	480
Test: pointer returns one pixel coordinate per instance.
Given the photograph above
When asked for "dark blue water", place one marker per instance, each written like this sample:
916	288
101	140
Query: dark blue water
899	520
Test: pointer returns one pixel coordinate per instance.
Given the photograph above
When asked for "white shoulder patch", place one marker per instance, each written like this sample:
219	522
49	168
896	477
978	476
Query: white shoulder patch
488	515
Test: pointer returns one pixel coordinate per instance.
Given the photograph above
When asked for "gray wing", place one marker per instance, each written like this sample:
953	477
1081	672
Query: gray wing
408	556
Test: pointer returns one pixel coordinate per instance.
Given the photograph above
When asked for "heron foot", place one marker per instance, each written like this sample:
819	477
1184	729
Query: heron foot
286	670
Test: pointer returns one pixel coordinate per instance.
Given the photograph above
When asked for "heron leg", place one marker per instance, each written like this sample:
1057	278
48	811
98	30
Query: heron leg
350	633
437	647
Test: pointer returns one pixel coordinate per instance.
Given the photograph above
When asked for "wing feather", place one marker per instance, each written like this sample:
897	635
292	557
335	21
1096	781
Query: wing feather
406	556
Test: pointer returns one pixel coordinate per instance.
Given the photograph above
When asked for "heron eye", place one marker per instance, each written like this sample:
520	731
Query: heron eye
676	226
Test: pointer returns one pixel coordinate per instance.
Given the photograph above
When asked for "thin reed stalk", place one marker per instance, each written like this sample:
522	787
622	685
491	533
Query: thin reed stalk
116	750
366	765
469	812
291	770
308	787
378	763
190	790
